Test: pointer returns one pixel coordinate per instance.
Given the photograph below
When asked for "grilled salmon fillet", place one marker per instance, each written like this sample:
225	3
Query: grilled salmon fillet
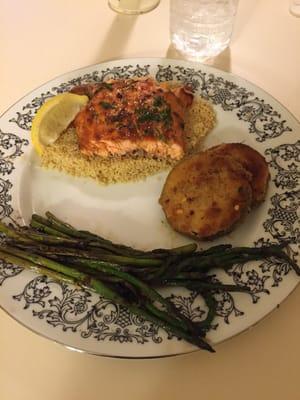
129	116
206	194
253	162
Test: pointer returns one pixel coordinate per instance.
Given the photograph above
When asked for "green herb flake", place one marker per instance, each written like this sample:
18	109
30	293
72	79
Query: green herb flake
166	116
158	101
147	115
154	115
108	86
106	105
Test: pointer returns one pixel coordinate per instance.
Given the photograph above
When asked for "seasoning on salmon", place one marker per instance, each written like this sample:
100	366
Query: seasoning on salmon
129	116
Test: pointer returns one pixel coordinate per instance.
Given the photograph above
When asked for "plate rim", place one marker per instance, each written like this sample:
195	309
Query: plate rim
128	59
152	60
173	355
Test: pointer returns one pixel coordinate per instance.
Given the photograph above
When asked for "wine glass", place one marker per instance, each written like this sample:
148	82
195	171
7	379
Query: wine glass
133	6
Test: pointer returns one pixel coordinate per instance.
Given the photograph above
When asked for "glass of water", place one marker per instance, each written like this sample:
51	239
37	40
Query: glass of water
201	29
133	6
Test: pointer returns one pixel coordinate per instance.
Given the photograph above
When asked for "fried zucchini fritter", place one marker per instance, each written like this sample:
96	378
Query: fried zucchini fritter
206	194
253	162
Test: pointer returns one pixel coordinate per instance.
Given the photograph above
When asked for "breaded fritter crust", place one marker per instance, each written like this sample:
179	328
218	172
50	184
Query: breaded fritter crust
253	162
206	194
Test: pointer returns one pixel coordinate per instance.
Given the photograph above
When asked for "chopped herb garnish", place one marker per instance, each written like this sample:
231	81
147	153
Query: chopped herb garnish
166	116
106	105
147	115
158	101
154	115
108	86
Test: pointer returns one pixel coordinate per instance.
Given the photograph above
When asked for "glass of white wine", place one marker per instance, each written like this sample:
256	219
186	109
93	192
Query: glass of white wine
133	6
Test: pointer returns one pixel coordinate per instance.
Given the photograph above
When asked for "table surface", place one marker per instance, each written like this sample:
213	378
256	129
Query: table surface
42	39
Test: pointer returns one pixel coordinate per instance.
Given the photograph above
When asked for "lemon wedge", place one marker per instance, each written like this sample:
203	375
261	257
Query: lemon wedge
54	117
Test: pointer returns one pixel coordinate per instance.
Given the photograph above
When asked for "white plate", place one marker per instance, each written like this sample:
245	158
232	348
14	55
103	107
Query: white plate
130	214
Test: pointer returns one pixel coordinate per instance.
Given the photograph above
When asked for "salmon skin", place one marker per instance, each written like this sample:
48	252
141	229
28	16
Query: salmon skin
129	116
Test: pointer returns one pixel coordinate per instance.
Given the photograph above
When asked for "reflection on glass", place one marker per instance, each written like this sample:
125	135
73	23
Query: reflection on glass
201	29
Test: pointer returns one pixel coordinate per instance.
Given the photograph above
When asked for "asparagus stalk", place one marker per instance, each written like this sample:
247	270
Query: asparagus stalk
69	251
223	261
124	260
70	230
197	340
206	286
95	239
102	267
164	320
146	290
215	251
31	237
57	276
147	314
45	262
212	308
183	250
13	234
47	229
